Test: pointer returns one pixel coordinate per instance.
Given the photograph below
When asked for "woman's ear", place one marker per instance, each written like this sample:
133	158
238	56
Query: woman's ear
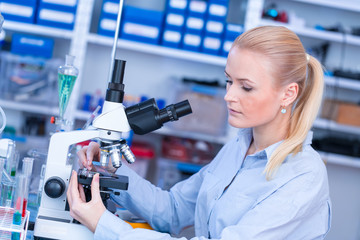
290	94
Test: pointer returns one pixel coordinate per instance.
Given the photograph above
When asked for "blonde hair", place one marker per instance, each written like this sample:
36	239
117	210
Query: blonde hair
289	63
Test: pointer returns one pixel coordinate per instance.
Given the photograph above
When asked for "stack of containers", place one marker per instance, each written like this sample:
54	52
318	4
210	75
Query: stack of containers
19	10
107	22
174	23
214	26
142	25
194	25
231	33
57	13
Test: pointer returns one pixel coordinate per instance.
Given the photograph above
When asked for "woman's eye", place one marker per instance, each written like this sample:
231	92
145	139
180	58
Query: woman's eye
228	81
247	89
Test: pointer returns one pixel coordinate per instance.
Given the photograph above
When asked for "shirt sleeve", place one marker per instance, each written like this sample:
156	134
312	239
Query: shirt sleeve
166	211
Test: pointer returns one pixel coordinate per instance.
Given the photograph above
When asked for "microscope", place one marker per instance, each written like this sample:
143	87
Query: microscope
54	220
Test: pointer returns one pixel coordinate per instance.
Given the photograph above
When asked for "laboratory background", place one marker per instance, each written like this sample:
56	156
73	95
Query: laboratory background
175	50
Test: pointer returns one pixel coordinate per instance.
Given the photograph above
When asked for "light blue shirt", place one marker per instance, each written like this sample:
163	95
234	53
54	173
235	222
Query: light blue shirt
295	204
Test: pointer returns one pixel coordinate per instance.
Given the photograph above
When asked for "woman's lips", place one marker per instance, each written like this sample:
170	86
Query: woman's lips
232	111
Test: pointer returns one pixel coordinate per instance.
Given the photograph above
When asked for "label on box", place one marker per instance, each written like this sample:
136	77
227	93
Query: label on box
172	36
212	43
217	10
108	24
70	3
193	40
216	27
32	41
141	30
234	28
227	46
14	9
179	4
175	19
197	6
56	16
110	7
195	23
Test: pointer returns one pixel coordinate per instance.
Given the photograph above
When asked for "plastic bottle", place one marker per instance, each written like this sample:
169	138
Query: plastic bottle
67	75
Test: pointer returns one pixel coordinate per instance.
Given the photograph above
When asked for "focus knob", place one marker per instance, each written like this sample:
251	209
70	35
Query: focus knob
54	187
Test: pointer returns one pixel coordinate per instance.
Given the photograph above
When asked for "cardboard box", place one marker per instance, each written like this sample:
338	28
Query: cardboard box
341	112
349	114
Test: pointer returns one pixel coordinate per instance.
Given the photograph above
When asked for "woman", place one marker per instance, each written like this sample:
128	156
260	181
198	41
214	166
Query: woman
267	183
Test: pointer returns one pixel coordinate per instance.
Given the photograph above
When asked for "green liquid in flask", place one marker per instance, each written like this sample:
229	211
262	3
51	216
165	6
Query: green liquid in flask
66	85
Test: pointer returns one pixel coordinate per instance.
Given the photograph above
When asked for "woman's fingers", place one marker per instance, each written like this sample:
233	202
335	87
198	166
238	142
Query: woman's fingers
95	188
82	193
82	156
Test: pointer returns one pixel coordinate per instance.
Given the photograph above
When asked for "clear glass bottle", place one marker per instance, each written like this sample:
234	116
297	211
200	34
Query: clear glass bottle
67	75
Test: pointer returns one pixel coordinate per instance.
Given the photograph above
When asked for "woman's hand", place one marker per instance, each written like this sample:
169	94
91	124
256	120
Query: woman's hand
88	154
88	213
91	153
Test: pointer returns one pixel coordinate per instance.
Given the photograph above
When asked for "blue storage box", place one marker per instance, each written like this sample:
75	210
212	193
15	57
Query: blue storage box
110	9
226	47
175	21
107	21
59	5
211	45
54	18
142	25
19	10
177	6
218	10
107	27
192	42
232	31
194	25
198	8
214	28
171	38
30	45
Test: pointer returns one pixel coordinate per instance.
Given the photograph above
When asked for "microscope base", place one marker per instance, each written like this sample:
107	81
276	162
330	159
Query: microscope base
60	229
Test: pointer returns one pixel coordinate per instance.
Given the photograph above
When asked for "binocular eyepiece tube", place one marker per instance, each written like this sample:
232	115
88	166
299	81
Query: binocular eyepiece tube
146	117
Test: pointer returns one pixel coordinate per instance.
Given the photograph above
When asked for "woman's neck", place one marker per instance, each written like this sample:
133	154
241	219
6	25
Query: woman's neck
266	135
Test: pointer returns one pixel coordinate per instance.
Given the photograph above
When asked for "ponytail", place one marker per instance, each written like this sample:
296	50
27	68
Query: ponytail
303	115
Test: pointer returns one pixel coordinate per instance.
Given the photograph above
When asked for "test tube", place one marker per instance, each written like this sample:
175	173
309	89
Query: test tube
2	163
7	190
19	203
27	166
26	170
11	159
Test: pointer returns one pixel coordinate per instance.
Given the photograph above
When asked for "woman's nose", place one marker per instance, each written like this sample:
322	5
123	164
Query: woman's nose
229	96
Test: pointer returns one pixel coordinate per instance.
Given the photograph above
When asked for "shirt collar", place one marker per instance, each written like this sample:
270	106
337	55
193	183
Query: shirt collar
245	135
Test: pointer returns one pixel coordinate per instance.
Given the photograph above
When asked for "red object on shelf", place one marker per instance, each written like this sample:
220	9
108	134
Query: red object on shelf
187	150
143	150
52	120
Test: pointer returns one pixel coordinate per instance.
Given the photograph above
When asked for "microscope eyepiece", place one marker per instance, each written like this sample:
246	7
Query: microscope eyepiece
146	117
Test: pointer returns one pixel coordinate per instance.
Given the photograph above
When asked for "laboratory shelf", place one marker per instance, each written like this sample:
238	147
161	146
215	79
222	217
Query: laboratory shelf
167	131
338	159
343	5
159	50
332	125
314	33
342	83
26	107
37	29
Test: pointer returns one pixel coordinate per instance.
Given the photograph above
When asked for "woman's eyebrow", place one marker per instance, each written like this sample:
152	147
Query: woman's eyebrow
239	79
